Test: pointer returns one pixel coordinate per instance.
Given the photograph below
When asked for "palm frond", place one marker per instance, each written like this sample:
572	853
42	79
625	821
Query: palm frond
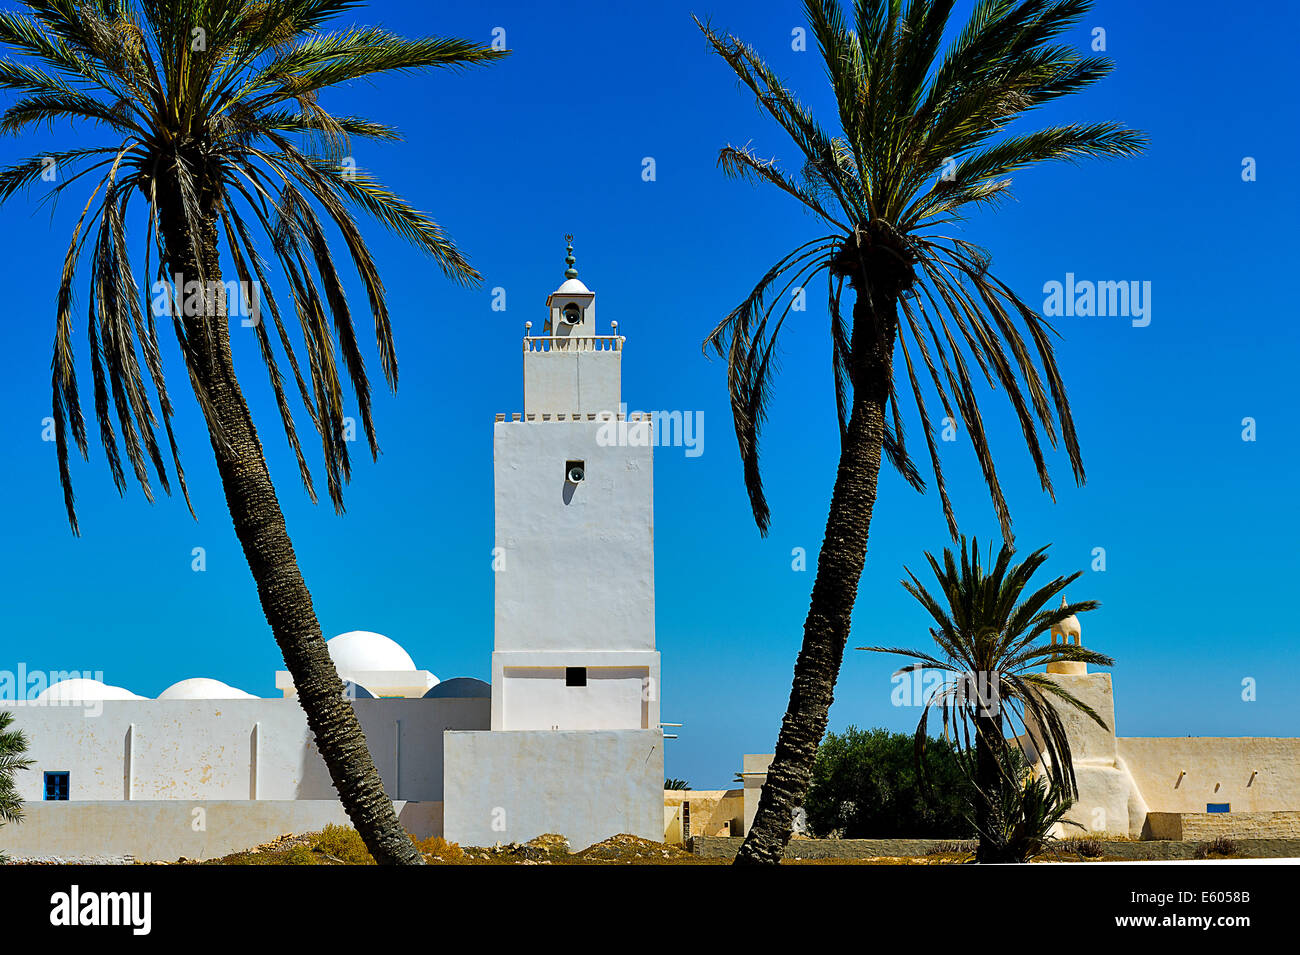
922	138
986	622
225	142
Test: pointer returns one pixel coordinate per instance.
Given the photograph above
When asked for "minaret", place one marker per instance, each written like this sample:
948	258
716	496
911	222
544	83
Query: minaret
569	369
1109	800
574	556
1067	631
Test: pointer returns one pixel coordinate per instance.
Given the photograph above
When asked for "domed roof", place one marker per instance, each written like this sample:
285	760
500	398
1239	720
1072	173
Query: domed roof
80	689
202	688
355	691
572	287
361	650
462	688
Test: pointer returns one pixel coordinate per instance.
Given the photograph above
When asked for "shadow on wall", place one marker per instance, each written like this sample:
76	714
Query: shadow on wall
313	775
421	819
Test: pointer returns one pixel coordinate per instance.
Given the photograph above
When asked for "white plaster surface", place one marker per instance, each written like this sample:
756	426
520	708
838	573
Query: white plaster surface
230	749
538	697
531	693
166	830
578	560
1184	773
511	786
571	377
1109	801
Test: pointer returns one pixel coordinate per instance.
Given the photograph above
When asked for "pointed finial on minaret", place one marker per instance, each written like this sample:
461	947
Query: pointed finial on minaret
570	272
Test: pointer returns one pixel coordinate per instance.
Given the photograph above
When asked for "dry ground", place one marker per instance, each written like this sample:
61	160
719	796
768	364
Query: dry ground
338	845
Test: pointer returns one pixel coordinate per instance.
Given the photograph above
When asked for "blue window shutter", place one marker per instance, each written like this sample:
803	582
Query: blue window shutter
56	787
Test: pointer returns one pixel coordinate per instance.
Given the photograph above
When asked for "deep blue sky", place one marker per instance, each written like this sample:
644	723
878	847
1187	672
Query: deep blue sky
1199	526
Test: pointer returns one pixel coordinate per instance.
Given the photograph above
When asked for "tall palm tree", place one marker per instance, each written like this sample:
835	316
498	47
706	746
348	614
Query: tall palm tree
13	757
211	119
921	140
986	625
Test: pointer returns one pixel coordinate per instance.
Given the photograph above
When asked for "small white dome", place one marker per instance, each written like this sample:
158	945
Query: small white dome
79	690
361	650
202	688
572	287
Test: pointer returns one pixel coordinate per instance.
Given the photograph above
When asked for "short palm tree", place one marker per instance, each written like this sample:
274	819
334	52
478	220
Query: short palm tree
922	139
1025	816
987	628
13	758
214	136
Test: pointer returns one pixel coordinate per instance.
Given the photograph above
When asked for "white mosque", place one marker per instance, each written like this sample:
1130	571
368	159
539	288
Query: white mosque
565	739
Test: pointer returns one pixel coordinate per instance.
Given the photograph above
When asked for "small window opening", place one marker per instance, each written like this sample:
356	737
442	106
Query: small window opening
575	676
56	787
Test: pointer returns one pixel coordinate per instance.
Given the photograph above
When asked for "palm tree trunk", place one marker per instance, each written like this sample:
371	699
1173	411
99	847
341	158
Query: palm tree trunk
830	611
259	525
988	778
987	788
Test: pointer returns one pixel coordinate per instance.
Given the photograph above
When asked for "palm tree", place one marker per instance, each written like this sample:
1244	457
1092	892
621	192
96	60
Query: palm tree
985	628
213	122
921	141
13	757
1025	819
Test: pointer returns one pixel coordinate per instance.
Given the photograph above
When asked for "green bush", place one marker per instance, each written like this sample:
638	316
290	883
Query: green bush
299	855
343	843
865	786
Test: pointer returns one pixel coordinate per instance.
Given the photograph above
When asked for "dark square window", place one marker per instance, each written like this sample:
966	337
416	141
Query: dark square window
575	676
1218	807
56	786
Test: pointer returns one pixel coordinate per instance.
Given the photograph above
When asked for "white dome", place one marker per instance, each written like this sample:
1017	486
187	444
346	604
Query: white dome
572	287
202	688
361	650
79	690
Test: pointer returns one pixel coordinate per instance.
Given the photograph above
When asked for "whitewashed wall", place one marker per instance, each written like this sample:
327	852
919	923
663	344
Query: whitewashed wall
577	561
587	786
230	749
537	698
1185	773
572	379
166	830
